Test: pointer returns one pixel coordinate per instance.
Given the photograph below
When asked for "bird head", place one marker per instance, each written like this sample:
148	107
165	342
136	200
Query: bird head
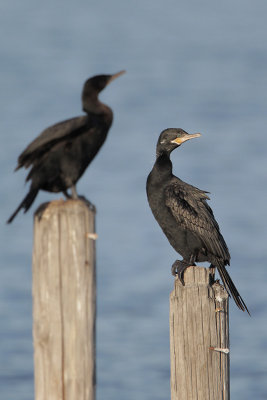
171	138
98	82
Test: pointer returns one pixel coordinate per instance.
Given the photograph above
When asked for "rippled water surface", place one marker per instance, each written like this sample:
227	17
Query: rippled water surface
196	65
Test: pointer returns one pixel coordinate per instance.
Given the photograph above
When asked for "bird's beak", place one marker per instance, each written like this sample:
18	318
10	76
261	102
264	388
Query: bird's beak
114	76
186	137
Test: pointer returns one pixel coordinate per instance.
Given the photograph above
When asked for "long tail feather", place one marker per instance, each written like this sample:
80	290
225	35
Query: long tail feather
26	203
231	289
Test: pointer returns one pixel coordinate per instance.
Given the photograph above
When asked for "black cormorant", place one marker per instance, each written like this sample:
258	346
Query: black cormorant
184	215
60	154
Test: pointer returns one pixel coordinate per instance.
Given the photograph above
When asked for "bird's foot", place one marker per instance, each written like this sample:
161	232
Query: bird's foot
74	194
178	269
90	205
212	273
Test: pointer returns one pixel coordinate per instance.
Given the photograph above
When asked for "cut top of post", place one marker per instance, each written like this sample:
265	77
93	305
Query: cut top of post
201	276
46	209
197	275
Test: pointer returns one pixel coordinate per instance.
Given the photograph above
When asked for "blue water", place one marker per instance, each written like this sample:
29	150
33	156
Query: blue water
197	65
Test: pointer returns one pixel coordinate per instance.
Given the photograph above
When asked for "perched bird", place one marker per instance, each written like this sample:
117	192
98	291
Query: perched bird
184	215
61	153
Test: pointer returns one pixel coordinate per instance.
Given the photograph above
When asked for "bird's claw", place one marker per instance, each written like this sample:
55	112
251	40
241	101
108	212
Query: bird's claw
178	269
91	206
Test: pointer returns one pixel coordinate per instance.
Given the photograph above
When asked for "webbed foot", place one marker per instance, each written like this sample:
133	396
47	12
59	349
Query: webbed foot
74	194
90	205
178	269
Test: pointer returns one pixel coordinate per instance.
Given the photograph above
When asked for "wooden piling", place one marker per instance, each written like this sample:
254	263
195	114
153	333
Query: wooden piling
64	301
199	338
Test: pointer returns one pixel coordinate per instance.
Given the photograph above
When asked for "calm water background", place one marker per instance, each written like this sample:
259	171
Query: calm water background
196	65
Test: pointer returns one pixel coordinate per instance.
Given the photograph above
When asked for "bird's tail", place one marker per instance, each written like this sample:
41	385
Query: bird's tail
26	203
231	289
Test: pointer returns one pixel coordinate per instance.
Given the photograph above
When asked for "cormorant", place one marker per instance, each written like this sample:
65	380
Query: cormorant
60	154
184	215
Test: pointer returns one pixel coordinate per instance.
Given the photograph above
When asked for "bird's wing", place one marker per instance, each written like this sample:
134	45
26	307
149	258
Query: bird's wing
190	209
50	136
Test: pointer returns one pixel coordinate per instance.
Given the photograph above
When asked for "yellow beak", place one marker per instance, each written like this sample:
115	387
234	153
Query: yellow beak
186	137
114	76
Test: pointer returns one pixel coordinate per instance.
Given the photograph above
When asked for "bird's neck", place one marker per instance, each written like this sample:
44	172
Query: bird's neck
94	106
163	164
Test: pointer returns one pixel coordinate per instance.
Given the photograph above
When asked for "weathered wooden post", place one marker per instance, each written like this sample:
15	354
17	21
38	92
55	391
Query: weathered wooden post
199	338
64	301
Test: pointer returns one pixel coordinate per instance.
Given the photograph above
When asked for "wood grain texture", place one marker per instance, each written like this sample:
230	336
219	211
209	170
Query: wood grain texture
199	321
64	301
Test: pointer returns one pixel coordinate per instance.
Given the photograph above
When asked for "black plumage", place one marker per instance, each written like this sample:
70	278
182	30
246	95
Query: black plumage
184	215
60	154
